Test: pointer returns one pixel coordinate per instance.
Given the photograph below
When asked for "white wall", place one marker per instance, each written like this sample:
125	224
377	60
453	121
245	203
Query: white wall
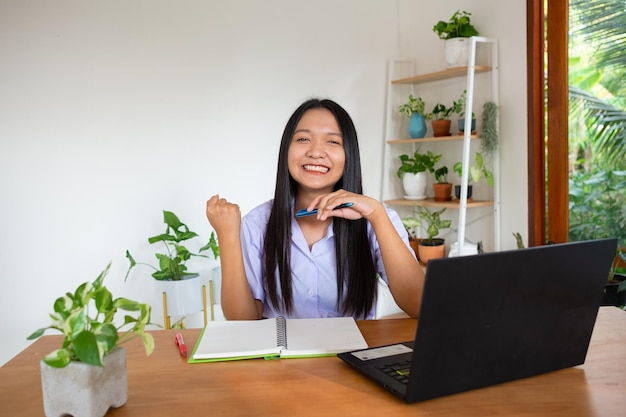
112	111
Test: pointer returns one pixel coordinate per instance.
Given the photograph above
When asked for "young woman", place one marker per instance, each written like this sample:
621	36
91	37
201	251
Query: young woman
321	265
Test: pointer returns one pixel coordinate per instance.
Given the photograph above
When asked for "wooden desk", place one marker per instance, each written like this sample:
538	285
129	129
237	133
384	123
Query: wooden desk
165	385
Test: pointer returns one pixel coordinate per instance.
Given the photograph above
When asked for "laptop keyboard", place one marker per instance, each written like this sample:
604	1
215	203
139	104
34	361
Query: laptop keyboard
398	371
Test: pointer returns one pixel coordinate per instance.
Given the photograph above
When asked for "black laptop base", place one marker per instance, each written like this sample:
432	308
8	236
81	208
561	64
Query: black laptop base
497	317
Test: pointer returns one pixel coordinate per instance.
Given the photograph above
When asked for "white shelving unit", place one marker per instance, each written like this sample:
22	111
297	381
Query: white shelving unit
437	84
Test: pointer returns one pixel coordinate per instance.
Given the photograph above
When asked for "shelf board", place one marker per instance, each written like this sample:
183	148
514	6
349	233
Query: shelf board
429	202
431	139
441	75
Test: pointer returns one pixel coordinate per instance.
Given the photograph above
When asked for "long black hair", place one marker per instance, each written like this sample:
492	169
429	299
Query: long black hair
355	265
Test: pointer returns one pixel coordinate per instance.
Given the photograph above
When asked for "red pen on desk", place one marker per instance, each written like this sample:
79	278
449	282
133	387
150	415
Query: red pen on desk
178	339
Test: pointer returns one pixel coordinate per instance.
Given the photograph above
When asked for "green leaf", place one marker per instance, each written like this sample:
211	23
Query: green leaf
148	343
76	322
213	245
86	348
475	173
165	237
171	220
37	333
132	264
60	358
183	253
185	236
58	320
98	282
83	294
63	305
106	338
104	300
126	304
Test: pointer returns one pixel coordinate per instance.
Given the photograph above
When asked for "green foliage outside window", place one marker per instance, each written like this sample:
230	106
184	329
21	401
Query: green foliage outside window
597	205
597	120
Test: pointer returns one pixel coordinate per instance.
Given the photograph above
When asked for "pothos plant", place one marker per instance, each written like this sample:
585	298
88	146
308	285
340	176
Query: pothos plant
419	162
413	105
86	319
172	265
459	26
440	112
441	175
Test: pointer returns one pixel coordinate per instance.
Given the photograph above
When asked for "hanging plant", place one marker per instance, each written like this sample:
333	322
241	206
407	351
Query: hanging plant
489	137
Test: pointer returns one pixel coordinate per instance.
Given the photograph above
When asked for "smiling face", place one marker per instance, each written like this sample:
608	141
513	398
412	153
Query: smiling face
316	156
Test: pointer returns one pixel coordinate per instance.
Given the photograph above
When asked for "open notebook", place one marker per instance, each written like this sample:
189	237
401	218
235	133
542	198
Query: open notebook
276	338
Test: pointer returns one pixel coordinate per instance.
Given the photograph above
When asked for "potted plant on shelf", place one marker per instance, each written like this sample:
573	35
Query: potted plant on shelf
87	375
432	246
440	120
442	188
414	173
476	173
183	289
414	110
411	224
455	32
459	108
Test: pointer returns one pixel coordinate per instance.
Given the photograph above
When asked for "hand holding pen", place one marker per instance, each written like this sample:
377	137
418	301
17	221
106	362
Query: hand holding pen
341	203
304	212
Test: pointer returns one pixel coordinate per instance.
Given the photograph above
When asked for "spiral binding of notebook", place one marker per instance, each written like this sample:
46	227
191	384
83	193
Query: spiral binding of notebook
281	332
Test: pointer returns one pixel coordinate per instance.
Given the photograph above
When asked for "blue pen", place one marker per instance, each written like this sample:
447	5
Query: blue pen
303	212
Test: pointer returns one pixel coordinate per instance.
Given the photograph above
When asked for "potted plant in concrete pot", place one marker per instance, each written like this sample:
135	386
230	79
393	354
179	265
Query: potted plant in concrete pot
414	173
455	32
442	188
431	247
476	173
183	289
414	110
440	120
87	374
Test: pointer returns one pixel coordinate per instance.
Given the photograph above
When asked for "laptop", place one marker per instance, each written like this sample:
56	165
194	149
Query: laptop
496	317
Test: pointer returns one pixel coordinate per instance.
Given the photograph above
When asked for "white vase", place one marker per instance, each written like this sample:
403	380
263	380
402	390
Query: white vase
183	297
466	249
415	185
456	51
84	390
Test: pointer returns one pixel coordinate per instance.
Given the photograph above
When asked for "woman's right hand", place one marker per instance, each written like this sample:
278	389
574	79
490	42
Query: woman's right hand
237	300
224	217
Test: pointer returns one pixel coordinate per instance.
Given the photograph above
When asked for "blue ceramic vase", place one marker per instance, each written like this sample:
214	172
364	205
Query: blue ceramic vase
417	126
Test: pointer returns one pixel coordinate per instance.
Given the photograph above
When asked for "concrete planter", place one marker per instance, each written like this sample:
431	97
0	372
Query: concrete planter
82	390
456	51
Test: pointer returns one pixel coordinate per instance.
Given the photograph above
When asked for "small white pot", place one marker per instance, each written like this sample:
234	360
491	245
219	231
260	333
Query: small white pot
466	249
457	51
415	185
85	390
